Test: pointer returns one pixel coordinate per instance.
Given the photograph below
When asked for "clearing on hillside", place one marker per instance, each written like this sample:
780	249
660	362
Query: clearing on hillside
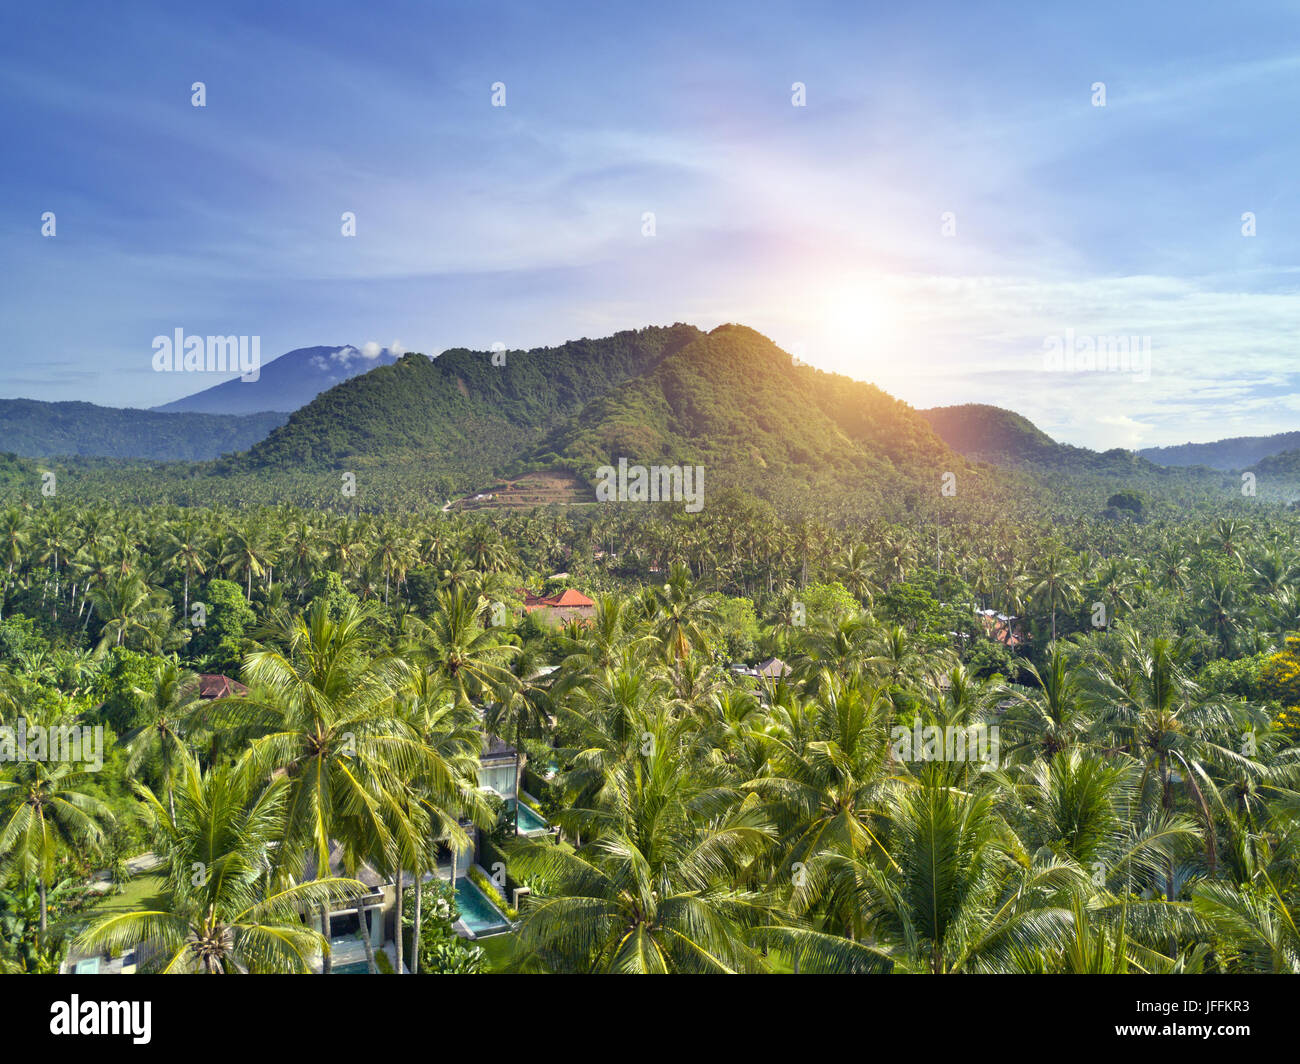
541	488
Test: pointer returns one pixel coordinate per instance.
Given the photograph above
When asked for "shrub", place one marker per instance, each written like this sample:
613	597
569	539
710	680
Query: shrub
484	883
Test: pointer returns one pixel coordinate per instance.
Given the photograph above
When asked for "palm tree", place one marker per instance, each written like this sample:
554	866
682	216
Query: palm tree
1161	720
166	710
126	605
470	657
321	713
445	795
827	781
224	909
652	888
1256	925
959	898
14	538
247	551
1050	716
47	812
182	549
683	617
1055	586
856	573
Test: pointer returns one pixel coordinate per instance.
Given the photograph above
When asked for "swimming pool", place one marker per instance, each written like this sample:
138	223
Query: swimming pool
529	819
356	968
476	912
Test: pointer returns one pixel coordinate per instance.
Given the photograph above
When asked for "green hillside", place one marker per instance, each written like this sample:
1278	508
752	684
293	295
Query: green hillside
39	429
736	403
1239	452
459	412
1002	437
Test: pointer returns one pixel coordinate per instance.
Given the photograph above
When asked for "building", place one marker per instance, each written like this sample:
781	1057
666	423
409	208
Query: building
773	669
1001	628
568	605
214	685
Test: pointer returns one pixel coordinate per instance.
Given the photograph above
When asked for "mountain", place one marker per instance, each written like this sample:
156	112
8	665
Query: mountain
1238	452
285	383
41	430
1285	466
469	412
734	401
1002	437
730	400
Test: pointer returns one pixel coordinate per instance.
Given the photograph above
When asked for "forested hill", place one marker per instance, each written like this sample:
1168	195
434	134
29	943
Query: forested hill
1239	452
39	430
730	400
1002	437
734	401
464	411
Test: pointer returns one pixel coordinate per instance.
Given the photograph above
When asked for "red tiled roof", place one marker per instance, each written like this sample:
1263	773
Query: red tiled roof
573	598
568	598
213	685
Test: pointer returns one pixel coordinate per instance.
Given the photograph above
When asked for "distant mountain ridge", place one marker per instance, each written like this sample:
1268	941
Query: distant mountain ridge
37	429
285	383
1001	437
1237	452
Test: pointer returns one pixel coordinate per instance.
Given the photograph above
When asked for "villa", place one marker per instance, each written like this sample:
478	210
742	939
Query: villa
568	605
500	771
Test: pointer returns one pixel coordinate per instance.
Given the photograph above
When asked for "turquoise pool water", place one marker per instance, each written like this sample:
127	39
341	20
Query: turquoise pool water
357	968
530	820
479	914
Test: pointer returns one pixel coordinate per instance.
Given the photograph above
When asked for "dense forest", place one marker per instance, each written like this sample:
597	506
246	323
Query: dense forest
1135	660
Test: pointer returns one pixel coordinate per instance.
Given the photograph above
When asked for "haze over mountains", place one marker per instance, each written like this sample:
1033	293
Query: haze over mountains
729	399
37	429
225	418
1002	437
1240	452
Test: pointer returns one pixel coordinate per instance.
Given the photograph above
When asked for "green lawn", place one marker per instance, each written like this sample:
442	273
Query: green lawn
497	950
142	892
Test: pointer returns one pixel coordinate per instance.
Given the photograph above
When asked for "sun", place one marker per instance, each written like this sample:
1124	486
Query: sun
859	322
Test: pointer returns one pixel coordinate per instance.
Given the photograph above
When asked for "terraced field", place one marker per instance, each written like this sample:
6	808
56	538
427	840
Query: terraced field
531	490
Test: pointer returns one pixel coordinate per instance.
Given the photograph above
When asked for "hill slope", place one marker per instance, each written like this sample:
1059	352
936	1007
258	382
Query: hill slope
285	383
1004	438
1238	452
41	430
734	401
460	412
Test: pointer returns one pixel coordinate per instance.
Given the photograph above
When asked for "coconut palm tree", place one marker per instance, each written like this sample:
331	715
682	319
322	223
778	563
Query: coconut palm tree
224	911
167	709
652	890
471	658
48	810
683	617
958	895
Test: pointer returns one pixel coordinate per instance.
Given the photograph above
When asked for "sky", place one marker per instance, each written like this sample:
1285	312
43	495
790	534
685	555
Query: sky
944	209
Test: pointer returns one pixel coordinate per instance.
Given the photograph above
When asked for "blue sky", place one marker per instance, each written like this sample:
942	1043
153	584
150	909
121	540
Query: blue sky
819	225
